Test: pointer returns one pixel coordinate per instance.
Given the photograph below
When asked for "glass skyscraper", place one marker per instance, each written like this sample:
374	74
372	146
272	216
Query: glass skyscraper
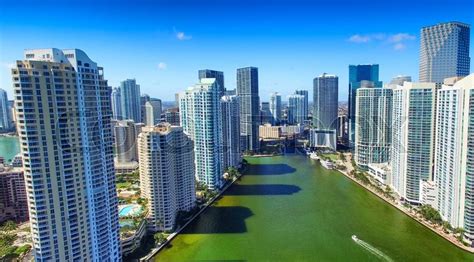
325	102
275	108
247	90
218	75
130	100
444	51
359	76
5	121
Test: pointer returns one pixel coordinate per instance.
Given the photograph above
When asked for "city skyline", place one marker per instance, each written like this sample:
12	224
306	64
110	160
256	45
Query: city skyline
165	48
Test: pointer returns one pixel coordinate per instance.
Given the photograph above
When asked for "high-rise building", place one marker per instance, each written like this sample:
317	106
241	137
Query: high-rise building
275	107
413	122
64	125
373	134
444	51
172	116
360	76
125	133
325	102
153	112
200	115
232	155
13	201
116	104
265	113
218	75
5	120
399	80
304	93
454	154
247	90
296	109
143	100
130	100
166	174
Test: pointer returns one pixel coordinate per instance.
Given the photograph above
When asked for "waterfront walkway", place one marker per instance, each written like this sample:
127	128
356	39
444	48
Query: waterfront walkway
409	212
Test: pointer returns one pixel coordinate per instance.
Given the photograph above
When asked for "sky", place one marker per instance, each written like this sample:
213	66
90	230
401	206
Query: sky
162	44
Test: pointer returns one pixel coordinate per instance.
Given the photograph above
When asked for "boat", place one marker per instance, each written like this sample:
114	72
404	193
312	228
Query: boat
354	237
314	156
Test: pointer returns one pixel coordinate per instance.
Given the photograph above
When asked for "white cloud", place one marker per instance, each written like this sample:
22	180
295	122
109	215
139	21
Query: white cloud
399	46
162	66
400	37
182	36
8	65
359	38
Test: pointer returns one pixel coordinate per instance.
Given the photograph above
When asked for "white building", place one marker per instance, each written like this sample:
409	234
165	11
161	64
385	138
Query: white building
153	110
275	107
444	51
429	193
412	138
232	155
116	104
381	172
200	115
454	157
373	134
68	165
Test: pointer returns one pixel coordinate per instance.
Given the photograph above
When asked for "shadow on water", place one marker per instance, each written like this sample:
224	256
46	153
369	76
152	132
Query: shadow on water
269	170
217	220
262	190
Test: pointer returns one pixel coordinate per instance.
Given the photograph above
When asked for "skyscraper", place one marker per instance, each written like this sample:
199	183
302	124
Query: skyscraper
275	107
130	100
200	115
296	109
373	134
265	113
444	51
304	93
13	200
232	155
153	112
143	100
218	75
412	138
325	102
116	104
359	76
399	80
166	174
247	90
125	133
454	154
5	121
65	127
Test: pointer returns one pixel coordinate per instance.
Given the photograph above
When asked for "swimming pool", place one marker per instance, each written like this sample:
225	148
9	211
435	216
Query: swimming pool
130	210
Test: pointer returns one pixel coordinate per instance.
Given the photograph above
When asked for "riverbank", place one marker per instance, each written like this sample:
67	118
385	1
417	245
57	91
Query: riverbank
412	214
156	250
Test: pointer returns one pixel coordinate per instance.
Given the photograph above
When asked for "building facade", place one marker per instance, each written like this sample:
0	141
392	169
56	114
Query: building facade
13	200
200	115
304	93
444	51
412	138
153	111
5	119
296	109
64	124
373	136
116	104
275	108
218	75
126	133
232	155
130	100
247	90
325	102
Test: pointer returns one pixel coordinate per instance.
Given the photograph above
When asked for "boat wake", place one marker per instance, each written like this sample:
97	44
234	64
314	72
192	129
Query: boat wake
371	248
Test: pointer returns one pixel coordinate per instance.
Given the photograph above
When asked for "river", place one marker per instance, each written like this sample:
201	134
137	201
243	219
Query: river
289	208
9	147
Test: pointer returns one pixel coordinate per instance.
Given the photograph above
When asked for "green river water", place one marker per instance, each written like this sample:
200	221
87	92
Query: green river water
289	208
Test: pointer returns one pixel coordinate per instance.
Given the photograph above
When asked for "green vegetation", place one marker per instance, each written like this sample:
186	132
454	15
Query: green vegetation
159	238
8	226
7	250
332	157
362	178
431	214
124	185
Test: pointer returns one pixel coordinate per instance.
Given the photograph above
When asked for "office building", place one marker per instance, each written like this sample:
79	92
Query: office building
232	155
143	100
13	201
116	104
325	102
153	112
296	109
444	51
360	76
126	133
64	125
247	90
200	115
373	134
130	100
412	138
304	93
454	154
5	119
275	108
218	75
265	113
166	174
399	80
172	116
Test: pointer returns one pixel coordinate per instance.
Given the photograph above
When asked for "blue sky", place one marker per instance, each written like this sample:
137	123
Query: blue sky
163	43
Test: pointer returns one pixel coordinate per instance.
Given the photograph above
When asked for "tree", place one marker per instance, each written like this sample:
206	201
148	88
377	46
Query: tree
159	238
